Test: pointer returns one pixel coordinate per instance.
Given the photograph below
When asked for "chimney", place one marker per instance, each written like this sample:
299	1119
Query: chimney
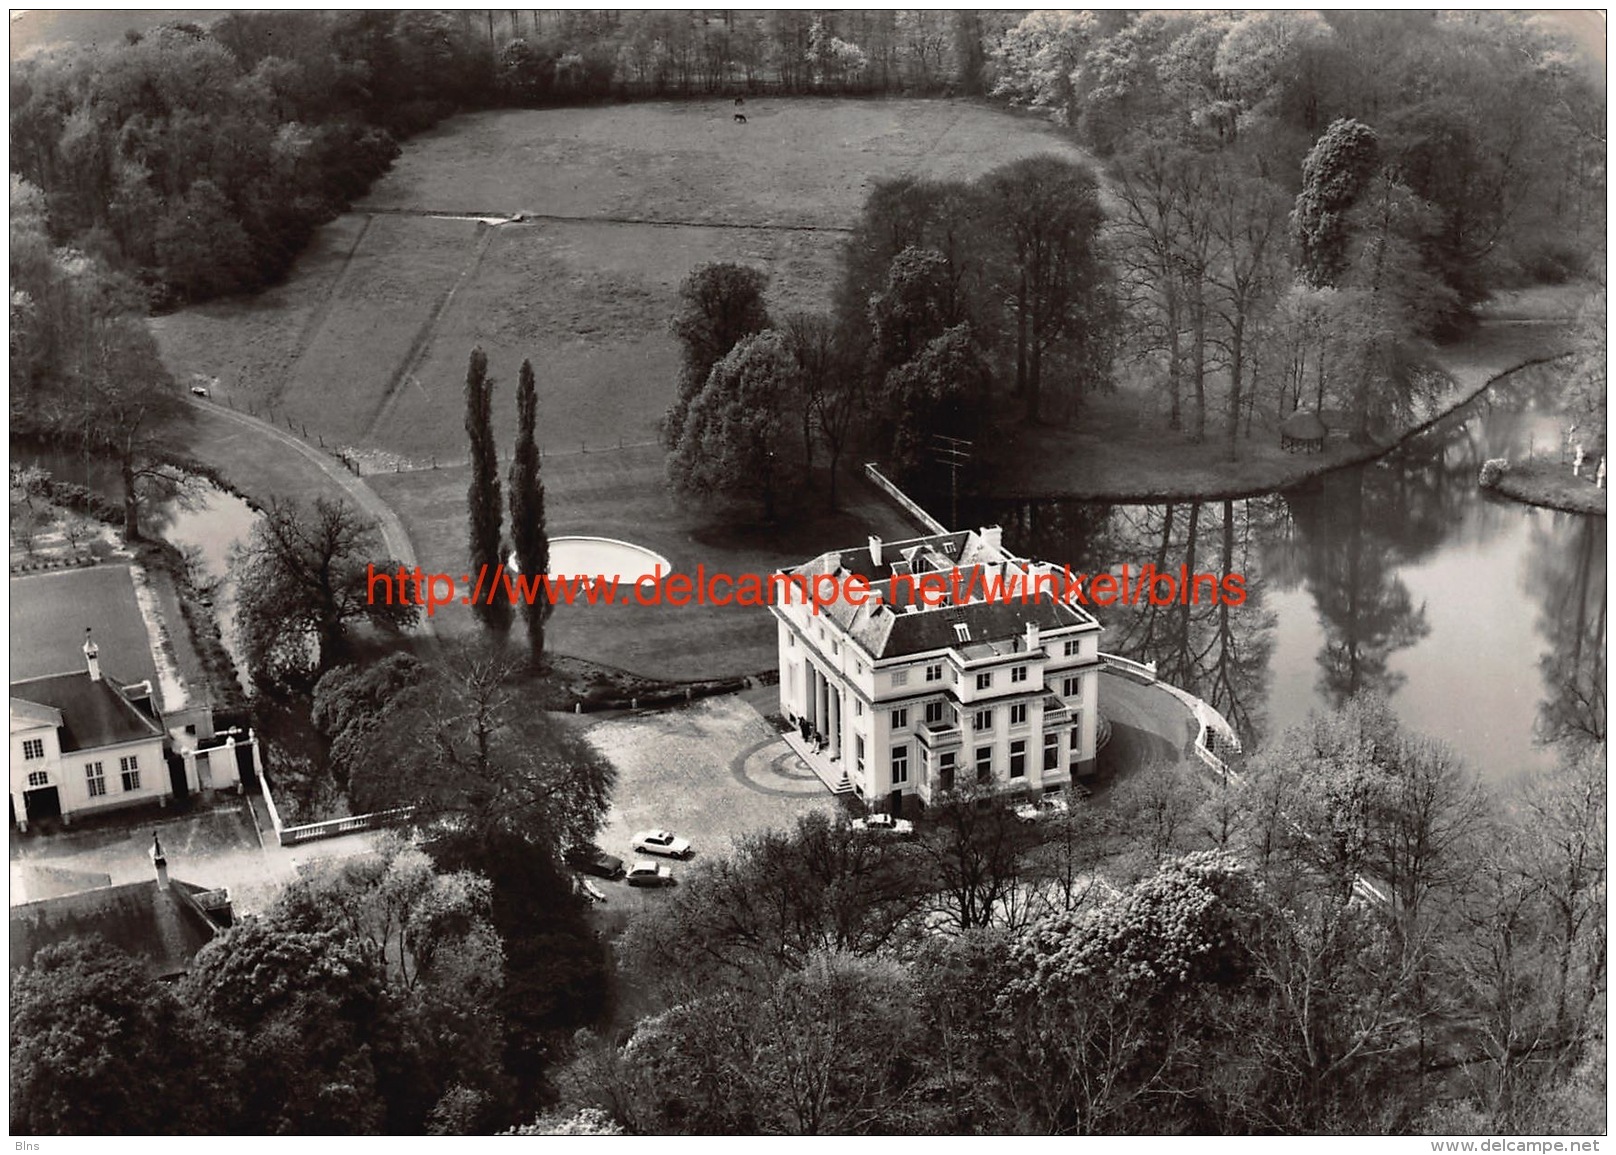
992	538
1032	636
160	862
875	550
92	656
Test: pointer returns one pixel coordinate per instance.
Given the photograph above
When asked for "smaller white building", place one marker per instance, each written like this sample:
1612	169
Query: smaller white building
83	743
934	681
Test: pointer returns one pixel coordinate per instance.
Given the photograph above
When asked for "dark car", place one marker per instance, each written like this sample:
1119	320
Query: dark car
593	860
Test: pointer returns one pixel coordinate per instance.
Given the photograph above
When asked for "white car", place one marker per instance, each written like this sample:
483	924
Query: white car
885	824
644	872
1048	804
662	842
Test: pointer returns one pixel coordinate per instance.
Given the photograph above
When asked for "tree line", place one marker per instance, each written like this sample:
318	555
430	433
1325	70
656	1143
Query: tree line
199	160
1302	197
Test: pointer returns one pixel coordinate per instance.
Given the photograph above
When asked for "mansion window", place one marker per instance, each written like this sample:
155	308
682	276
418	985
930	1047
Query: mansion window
945	771
1018	673
129	771
900	719
1051	751
900	677
1070	648
33	748
983	720
1018	758
900	765
984	764
934	673
1077	739
95	778
984	681
1018	714
935	712
858	751
1071	687
38	778
858	708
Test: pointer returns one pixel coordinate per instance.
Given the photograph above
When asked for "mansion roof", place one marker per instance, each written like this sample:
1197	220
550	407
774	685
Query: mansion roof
894	627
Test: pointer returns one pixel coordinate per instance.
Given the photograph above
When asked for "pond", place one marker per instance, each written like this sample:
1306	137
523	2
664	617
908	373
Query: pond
1481	621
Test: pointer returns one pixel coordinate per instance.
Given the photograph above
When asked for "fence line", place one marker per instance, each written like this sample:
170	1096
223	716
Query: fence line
927	522
331	828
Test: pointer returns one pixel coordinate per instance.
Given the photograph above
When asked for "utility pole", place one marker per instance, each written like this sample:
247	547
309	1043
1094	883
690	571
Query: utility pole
952	452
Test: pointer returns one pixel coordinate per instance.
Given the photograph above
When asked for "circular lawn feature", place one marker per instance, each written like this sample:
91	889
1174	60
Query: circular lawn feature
604	557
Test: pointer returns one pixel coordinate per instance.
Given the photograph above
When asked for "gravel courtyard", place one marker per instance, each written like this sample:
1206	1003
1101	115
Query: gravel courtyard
708	772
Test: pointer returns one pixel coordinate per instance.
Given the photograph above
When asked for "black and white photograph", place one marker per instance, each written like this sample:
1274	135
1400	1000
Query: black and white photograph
1111	512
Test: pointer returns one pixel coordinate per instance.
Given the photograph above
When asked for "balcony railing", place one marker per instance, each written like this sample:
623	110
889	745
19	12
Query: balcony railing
938	735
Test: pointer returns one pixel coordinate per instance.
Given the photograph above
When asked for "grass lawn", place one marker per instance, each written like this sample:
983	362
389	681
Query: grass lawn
622	495
366	343
1551	484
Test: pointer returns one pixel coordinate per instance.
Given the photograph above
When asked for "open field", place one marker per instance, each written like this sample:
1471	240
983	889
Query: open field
621	495
366	343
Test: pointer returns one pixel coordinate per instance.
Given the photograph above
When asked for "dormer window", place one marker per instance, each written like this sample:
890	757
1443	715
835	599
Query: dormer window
962	632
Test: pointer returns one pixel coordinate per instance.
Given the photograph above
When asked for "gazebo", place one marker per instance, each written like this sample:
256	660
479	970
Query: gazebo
1304	431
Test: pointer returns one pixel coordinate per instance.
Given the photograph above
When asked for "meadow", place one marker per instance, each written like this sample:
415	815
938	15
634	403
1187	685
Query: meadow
364	347
366	343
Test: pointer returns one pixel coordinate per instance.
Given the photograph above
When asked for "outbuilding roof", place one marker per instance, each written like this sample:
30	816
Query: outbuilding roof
93	713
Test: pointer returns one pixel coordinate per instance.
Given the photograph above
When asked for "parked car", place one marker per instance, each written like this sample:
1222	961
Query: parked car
199	390
885	824
1039	807
662	842
593	860
644	872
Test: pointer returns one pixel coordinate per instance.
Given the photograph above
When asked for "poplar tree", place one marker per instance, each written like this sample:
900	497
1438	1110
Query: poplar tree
483	498
529	538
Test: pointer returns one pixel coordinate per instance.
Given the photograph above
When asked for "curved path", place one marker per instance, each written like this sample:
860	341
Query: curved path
353	488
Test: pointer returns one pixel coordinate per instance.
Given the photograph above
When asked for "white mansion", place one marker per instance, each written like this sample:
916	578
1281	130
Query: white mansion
902	697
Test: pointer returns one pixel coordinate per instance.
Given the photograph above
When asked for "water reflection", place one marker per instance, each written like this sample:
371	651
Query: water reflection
1482	621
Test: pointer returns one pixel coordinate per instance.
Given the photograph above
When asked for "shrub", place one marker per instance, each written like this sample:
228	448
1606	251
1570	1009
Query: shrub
1492	472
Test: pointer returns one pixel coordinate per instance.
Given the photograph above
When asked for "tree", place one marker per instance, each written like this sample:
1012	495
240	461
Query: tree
462	748
829	1049
312	1008
720	303
944	389
487	549
1246	222
1335	174
132	411
973	857
98	1048
777	900
429	934
736	435
530	540
303	577
1049	212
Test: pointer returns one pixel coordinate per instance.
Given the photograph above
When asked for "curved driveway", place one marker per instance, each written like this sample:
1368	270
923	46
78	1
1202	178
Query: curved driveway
353	487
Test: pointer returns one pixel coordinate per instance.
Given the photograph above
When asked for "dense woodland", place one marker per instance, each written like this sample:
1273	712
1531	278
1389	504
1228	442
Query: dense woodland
1282	209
